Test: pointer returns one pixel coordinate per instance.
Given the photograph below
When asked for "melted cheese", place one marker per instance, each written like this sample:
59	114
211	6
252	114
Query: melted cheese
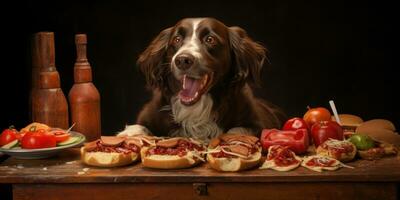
337	144
234	154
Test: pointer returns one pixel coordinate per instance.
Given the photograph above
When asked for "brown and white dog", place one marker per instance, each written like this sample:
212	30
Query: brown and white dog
200	73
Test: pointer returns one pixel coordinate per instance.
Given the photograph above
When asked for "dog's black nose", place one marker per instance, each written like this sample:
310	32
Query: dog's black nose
184	61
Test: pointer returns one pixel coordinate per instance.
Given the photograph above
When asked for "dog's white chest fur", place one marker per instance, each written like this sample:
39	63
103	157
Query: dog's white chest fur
196	121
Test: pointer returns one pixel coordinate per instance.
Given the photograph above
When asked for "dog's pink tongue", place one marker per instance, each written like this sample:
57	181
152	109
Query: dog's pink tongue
190	87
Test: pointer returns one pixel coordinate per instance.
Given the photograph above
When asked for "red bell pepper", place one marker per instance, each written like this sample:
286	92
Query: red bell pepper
296	140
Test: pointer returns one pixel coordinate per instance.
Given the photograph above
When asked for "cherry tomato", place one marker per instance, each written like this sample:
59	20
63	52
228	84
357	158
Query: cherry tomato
8	135
36	139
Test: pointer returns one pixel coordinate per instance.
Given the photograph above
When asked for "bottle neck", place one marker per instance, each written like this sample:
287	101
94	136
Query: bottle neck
82	73
81	53
82	70
49	80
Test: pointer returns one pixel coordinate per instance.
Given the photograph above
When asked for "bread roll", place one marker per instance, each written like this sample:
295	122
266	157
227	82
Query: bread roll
104	159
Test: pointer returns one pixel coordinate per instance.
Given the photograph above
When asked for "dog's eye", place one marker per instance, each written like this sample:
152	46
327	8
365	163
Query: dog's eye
176	39
210	40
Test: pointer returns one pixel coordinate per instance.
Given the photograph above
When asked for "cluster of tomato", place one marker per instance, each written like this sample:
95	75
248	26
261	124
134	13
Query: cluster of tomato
33	138
297	133
318	122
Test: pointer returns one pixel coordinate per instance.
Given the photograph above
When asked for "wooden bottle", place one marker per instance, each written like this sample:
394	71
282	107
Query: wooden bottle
84	98
50	105
35	78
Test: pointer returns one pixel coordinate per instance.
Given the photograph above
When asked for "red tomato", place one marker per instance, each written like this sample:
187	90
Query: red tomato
38	139
60	135
324	130
20	136
8	135
314	115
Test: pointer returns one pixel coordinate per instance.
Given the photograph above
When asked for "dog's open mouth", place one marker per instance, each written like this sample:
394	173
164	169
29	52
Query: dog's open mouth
193	88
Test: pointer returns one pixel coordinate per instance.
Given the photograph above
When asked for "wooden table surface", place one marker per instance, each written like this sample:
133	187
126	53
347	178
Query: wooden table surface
67	168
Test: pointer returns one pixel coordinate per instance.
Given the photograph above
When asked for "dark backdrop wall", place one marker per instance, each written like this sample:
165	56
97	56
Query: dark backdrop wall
319	51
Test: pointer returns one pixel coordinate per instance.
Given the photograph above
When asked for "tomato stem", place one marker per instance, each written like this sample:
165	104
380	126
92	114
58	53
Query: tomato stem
11	127
32	128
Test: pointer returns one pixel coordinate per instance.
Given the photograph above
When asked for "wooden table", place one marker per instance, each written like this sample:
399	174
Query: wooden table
65	177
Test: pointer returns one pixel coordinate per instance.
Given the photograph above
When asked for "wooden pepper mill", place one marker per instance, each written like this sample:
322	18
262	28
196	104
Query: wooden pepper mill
50	105
84	98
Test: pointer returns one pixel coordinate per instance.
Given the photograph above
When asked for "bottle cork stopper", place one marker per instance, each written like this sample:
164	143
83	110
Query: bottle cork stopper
47	51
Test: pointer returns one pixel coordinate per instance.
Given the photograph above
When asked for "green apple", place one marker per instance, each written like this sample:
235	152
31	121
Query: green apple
362	142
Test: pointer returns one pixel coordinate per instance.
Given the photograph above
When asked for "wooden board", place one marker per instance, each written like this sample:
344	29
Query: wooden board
67	168
215	191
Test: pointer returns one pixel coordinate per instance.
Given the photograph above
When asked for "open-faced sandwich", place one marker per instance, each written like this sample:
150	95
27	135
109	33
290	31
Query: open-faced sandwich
281	158
234	152
112	151
341	150
173	153
318	163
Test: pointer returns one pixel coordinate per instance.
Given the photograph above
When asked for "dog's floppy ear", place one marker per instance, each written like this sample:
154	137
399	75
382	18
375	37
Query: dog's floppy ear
151	61
248	57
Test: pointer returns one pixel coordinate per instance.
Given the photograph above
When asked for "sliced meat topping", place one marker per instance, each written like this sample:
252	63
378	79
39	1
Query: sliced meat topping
239	149
253	139
134	141
148	140
239	137
112	141
168	142
91	145
214	143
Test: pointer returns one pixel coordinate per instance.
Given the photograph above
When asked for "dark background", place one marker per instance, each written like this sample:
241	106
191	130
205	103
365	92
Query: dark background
319	50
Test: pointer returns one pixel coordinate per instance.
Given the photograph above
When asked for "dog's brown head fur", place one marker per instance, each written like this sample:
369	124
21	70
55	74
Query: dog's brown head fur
227	52
201	56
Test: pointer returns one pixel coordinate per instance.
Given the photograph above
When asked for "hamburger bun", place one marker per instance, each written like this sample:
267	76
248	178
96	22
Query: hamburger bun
104	159
234	164
37	126
380	130
168	161
349	121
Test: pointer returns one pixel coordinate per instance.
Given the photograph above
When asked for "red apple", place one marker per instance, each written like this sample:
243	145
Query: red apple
324	130
294	124
314	115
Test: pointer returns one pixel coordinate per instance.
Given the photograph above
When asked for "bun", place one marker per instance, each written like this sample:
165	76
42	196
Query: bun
37	125
380	130
104	159
349	122
234	152
233	164
168	161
